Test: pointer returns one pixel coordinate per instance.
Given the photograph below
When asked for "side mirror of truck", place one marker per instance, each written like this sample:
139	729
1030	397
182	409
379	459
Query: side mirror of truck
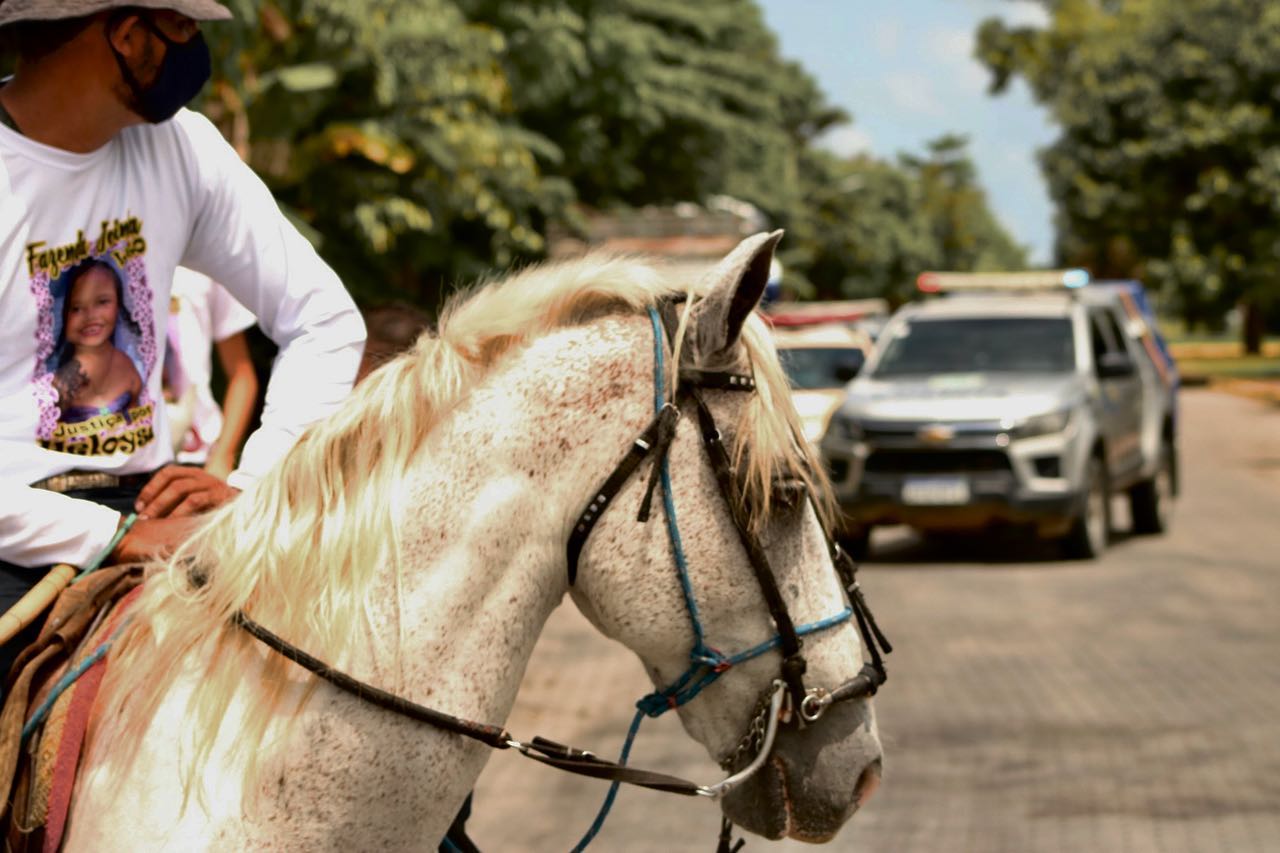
1116	365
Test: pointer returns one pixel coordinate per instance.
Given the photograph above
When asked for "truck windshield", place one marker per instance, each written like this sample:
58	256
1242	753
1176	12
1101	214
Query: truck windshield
816	368
979	345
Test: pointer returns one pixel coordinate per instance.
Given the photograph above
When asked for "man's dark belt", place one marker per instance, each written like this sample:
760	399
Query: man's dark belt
76	480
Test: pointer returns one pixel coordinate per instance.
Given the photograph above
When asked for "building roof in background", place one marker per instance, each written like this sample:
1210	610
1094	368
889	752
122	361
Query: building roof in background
690	234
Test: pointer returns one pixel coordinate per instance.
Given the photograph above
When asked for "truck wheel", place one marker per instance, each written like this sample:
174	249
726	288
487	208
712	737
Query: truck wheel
1151	501
1092	527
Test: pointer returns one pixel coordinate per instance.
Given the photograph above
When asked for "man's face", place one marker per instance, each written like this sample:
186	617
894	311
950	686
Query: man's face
141	48
138	45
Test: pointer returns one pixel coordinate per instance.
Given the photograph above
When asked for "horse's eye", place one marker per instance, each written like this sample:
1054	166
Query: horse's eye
788	492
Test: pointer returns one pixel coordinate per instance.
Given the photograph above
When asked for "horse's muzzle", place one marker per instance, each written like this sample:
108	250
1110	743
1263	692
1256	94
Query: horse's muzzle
815	780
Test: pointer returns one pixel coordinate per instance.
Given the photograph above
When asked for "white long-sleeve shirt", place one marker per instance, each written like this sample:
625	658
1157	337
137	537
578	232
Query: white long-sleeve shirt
154	197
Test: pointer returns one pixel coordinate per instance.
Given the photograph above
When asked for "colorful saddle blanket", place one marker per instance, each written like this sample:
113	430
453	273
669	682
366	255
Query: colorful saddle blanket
46	711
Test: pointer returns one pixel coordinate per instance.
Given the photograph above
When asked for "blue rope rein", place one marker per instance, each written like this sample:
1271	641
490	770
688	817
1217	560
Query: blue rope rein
97	561
65	683
680	692
612	794
700	648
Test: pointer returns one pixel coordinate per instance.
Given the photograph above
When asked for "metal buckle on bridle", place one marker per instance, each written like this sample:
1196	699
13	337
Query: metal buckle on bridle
815	704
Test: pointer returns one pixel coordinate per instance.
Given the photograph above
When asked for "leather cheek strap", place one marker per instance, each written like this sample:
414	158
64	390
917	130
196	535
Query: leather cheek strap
637	453
793	663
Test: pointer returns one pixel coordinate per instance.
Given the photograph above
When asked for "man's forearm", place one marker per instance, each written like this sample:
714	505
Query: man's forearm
40	528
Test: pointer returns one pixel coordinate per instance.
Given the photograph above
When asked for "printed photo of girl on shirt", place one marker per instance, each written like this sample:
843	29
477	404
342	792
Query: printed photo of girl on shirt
91	373
95	347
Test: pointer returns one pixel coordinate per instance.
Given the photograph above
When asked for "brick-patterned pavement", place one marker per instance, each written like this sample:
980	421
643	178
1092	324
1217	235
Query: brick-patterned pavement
1131	704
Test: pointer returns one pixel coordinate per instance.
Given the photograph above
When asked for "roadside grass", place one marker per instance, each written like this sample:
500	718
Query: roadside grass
1203	359
1235	367
1218	360
1220	350
1175	332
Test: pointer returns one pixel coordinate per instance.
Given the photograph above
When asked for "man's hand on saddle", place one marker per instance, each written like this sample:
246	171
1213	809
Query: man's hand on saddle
154	539
177	491
168	510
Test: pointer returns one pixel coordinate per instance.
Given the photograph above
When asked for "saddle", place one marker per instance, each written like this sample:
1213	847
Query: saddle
37	773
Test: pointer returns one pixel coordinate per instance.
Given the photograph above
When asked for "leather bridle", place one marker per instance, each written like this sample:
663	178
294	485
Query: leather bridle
787	700
706	663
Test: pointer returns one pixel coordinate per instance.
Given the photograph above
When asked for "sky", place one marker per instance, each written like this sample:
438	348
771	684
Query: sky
905	70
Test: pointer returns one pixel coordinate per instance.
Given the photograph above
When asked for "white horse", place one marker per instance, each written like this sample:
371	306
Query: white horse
417	541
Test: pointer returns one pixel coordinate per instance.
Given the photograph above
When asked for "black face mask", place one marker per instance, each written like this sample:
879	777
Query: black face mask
182	74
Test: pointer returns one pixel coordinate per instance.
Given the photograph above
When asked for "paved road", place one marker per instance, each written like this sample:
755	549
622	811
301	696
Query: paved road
1131	704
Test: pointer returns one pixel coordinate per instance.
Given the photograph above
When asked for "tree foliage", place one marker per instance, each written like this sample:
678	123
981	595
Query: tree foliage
1168	164
422	143
654	101
385	127
869	227
965	234
657	101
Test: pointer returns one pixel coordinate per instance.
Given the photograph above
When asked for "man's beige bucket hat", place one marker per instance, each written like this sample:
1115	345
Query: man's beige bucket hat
12	11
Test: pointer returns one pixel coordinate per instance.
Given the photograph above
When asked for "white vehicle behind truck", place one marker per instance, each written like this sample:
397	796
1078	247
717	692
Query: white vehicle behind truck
1020	398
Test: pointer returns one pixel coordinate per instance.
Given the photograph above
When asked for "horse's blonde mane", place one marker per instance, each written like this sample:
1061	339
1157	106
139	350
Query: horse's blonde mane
299	552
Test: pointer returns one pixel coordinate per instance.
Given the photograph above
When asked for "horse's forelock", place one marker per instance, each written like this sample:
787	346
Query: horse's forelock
769	443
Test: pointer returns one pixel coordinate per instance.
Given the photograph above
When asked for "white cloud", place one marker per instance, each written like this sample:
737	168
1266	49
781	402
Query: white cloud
913	92
846	141
1025	14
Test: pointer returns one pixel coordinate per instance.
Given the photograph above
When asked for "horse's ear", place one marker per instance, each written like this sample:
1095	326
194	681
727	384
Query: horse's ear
733	291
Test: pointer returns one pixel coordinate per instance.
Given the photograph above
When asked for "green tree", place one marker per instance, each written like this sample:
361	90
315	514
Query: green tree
423	142
1168	165
966	235
438	148
385	128
658	101
861	233
869	227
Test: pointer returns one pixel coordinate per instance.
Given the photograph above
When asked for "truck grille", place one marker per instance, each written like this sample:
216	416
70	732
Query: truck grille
936	461
892	431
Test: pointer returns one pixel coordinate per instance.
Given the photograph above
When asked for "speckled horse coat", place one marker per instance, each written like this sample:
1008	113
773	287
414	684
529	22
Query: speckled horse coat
482	509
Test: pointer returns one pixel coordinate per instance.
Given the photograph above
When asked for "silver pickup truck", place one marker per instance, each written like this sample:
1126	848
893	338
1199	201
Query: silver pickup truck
1026	408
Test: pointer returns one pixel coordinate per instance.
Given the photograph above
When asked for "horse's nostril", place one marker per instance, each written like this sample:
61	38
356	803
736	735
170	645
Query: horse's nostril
868	782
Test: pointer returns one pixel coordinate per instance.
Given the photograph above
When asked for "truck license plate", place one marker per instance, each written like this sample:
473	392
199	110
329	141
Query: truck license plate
935	491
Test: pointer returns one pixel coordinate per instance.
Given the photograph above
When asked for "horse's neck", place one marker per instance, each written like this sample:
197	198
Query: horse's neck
492	498
486	511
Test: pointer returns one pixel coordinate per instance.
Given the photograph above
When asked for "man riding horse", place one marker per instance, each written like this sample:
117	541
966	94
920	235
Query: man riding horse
101	165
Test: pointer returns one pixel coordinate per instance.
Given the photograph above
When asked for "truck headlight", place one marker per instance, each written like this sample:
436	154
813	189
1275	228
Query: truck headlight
1042	425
